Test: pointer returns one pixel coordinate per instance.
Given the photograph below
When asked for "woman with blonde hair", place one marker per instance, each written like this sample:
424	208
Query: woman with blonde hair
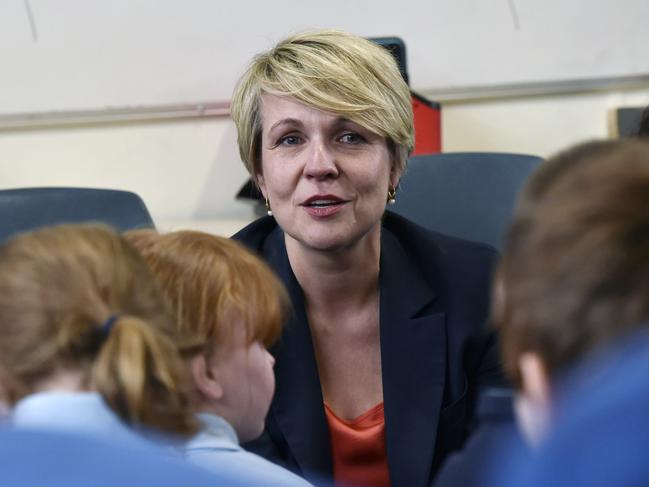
86	342
379	368
229	302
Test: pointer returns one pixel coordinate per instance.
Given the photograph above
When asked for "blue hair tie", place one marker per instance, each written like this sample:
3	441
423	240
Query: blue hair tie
107	325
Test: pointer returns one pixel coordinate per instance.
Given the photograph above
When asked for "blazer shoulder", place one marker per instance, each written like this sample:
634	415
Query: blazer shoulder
449	252
254	235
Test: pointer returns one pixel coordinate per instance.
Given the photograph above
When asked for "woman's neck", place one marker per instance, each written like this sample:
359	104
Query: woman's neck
340	277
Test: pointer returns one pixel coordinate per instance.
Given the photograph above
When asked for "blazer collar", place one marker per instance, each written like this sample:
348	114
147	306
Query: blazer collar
298	406
413	355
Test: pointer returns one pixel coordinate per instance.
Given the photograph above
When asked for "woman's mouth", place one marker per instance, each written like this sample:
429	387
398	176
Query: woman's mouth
323	206
323	203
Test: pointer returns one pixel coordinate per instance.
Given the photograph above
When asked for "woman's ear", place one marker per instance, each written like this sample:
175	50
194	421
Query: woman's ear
205	381
395	177
261	184
533	405
395	173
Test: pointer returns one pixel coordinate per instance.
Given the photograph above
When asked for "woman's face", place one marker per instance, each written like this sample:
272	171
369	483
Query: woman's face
326	178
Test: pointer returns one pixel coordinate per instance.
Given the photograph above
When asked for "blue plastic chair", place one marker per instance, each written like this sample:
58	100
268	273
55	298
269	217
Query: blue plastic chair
25	209
468	195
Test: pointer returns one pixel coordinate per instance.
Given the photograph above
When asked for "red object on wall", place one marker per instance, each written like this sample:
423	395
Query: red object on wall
428	125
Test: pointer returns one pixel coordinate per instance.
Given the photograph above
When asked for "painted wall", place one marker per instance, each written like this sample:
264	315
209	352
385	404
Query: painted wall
91	54
538	125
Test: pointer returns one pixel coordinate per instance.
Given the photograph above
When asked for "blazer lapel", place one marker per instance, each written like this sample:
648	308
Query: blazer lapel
413	354
298	406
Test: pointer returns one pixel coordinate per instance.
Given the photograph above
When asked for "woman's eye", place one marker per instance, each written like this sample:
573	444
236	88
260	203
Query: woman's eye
351	138
289	140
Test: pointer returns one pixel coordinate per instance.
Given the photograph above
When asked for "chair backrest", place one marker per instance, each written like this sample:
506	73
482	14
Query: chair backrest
25	209
468	195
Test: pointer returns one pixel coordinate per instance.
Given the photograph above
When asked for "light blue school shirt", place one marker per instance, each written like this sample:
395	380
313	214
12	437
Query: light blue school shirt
81	413
216	448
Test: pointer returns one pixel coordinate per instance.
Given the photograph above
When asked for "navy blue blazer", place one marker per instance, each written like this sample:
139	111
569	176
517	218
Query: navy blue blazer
436	353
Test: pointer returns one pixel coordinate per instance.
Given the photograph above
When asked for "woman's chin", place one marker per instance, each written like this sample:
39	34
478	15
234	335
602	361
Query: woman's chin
325	243
322	241
331	237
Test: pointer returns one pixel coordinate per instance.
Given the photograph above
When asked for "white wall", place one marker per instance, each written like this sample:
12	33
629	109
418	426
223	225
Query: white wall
92	54
538	125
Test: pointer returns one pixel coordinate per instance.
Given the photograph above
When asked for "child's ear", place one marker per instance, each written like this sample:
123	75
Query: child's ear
533	405
535	379
205	380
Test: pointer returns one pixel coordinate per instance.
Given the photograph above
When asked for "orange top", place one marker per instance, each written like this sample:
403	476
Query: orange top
358	449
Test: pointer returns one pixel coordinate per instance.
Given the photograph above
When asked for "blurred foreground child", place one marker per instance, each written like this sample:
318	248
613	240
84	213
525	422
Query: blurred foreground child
575	268
85	338
573	281
228	300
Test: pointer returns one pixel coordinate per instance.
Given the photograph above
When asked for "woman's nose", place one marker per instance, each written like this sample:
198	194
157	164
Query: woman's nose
321	162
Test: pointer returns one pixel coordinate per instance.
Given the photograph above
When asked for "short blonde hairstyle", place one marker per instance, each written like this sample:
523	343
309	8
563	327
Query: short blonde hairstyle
214	284
333	71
